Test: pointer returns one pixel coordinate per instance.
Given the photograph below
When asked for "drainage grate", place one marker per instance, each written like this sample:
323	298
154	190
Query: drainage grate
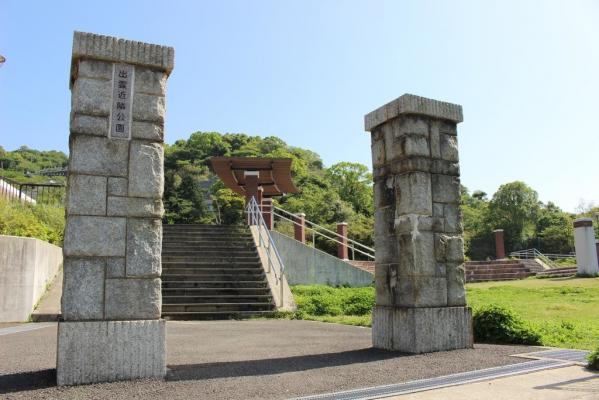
578	356
442	381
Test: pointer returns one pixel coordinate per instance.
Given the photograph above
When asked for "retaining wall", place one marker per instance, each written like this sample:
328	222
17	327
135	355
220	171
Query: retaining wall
27	265
305	265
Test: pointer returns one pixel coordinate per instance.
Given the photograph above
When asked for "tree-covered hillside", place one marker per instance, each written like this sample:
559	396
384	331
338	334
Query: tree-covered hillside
22	163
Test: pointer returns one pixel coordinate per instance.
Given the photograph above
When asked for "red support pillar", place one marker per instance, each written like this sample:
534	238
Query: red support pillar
499	244
299	228
342	252
267	212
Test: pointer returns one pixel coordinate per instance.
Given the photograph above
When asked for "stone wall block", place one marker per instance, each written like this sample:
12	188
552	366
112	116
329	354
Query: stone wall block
150	81
413	223
384	193
421	291
144	245
414	145
146	176
449	148
453	219
147	131
87	195
132	299
91	96
94	69
378	153
117	186
148	108
134	207
446	189
444	167
456	279
95	236
385	281
435	139
413	193
98	156
115	267
415	255
89	125
83	289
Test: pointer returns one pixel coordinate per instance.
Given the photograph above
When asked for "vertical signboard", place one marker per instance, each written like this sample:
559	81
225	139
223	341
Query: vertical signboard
123	79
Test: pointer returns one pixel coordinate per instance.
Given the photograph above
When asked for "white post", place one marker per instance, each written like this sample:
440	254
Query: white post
586	253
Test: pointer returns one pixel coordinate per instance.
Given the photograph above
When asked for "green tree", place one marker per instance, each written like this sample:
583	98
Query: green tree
353	182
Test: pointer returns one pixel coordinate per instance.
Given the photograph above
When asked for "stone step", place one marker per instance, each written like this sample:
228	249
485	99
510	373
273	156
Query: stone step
217	285
217	307
216	299
206	247
212	277
496	270
212	271
211	263
493	262
217	315
215	291
226	254
207	238
190	259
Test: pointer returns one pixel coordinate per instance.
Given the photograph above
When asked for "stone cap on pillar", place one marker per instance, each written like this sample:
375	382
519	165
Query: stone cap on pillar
411	104
497	230
580	222
112	49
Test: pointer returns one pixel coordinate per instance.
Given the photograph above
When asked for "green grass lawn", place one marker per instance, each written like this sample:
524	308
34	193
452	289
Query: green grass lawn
565	311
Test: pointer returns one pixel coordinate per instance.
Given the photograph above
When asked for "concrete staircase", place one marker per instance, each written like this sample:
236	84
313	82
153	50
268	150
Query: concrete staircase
558	272
212	272
498	270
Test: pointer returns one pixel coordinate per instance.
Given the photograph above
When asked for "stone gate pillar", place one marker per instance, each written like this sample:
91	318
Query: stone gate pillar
586	251
419	276
111	302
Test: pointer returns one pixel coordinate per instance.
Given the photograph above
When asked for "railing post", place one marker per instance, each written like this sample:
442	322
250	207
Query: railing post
342	247
499	244
267	212
299	228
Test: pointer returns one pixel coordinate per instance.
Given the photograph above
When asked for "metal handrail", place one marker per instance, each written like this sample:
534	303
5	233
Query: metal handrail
315	231
534	253
256	218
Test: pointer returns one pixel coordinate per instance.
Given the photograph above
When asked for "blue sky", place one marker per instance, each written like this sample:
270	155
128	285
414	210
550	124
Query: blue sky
526	73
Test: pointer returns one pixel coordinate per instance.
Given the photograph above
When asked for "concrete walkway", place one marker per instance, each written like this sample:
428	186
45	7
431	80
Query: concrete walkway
259	359
48	308
570	383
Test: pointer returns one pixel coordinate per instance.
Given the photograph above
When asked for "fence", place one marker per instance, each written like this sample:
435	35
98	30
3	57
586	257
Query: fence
32	193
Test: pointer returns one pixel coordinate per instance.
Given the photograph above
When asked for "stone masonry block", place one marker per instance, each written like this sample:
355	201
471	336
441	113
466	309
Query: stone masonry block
148	108
449	248
117	186
456	294
144	246
83	289
91	97
87	195
98	156
435	139
421	291
385	278
89	125
105	351
453	223
132	299
147	130
384	194
413	193
94	69
449	147
134	207
378	153
414	145
95	236
413	223
446	189
115	267
146	176
150	81
415	254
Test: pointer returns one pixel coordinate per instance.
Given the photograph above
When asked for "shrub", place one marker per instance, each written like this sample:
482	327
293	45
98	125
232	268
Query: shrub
594	360
36	221
493	324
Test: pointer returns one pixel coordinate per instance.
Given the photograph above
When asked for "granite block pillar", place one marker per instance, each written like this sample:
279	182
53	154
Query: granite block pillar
586	251
419	274
111	302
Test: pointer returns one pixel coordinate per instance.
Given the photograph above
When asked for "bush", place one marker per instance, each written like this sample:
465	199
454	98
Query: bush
321	300
594	360
36	221
493	324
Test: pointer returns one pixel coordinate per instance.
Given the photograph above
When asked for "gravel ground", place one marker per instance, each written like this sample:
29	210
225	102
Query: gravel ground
266	359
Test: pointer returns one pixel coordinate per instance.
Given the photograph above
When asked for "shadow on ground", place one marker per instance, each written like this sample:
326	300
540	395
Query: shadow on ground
272	366
27	381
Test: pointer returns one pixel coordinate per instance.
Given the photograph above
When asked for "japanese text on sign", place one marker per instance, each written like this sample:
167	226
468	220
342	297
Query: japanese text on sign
123	79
